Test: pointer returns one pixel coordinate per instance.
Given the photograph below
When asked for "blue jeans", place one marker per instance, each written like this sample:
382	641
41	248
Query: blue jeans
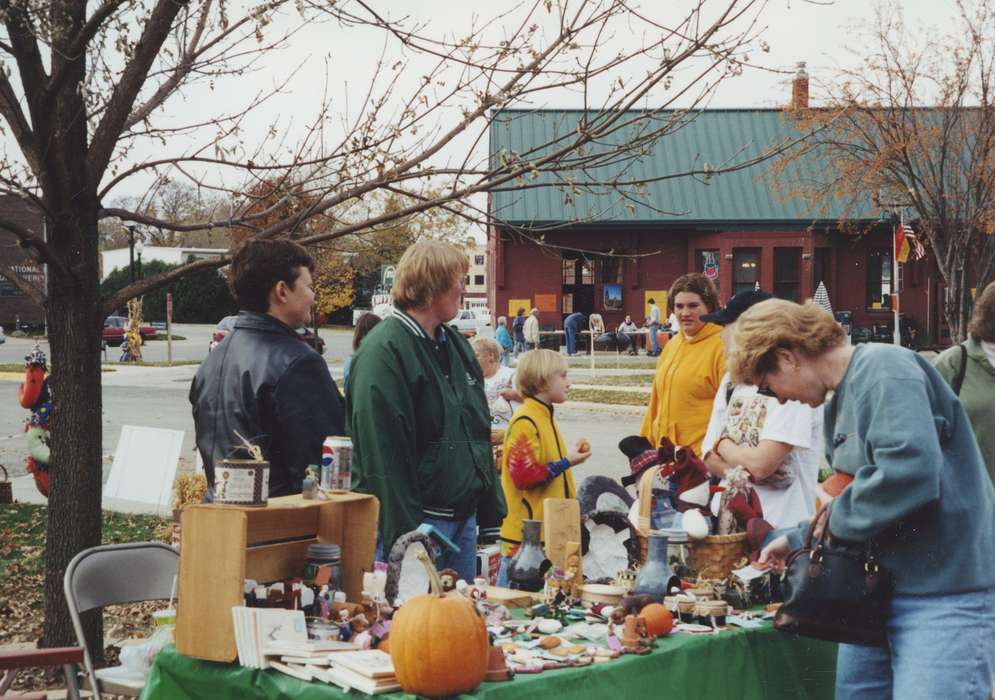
655	347
571	333
519	347
505	357
463	533
940	646
502	577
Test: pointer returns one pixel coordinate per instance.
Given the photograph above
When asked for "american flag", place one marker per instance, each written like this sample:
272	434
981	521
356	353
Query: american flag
906	243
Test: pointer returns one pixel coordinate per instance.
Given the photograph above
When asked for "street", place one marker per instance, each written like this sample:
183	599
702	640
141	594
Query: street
157	397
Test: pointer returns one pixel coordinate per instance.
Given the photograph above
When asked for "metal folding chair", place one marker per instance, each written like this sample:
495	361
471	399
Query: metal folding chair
110	575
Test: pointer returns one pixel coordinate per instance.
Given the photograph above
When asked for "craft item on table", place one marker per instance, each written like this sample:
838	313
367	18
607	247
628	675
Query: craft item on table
549	642
503	596
449	577
659	620
739	503
438	643
747	623
594	593
243	482
685	608
711	612
309	489
627	579
656	577
693	628
695	525
370	671
560	526
258	628
635	638
597	493
497	667
549	626
406	576
528	567
563	586
35	394
610	545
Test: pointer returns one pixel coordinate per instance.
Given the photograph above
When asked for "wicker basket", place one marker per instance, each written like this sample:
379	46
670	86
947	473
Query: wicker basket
716	556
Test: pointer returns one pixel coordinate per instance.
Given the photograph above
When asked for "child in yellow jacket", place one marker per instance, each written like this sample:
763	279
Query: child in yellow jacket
535	463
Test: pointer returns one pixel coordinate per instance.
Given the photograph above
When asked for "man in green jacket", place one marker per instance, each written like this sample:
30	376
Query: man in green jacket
969	369
418	415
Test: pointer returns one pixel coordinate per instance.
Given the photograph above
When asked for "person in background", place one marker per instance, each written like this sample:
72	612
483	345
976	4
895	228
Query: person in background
653	324
779	444
518	332
571	327
499	382
535	461
625	335
418	415
977	383
690	369
364	325
503	338
262	381
920	497
531	330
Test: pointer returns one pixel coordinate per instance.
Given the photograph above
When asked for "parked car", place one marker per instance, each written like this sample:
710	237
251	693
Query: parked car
471	322
115	327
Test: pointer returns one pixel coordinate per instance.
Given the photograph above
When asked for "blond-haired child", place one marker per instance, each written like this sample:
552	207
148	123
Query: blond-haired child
535	463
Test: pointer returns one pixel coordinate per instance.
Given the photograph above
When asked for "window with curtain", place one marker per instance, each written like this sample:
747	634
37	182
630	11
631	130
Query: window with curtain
787	276
879	278
746	269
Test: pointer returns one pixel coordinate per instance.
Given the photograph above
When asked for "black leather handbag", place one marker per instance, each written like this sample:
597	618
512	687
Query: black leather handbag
835	590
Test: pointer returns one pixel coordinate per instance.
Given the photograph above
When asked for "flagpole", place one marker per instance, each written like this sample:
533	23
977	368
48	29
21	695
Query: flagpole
894	282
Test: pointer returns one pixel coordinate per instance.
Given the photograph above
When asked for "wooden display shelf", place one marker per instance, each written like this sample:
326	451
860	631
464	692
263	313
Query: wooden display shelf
221	546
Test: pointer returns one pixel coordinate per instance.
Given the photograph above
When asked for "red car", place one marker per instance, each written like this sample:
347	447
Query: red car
115	326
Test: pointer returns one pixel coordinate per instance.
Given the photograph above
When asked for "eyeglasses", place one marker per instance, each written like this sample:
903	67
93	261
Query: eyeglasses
764	390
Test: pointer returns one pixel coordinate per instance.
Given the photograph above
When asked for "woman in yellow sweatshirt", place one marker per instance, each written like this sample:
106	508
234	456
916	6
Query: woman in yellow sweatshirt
690	368
535	463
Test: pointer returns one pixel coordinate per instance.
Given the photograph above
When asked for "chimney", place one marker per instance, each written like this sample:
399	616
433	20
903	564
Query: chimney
799	89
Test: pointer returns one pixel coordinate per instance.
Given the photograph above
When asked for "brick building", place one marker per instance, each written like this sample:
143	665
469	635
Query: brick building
735	227
14	304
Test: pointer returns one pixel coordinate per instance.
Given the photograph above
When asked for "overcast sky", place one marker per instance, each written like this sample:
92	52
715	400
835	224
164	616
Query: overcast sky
795	30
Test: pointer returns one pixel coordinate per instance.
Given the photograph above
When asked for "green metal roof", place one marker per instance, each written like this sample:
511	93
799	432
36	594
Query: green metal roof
720	137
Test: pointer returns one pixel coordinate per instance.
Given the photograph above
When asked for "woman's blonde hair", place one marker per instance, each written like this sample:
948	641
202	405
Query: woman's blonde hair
536	368
426	270
778	324
488	347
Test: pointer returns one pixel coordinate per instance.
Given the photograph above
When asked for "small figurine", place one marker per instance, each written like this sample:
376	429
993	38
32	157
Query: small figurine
345	626
635	638
310	488
448	578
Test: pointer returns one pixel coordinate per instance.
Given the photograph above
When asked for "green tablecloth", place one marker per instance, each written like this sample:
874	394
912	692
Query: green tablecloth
737	664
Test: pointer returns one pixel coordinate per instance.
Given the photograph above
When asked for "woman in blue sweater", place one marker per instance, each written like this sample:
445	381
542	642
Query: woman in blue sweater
920	494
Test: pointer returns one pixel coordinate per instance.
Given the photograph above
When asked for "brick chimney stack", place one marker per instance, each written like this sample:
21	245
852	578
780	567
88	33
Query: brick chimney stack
799	89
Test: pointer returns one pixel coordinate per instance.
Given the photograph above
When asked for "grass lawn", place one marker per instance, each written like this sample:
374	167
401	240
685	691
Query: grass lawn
162	336
22	568
621	398
607	362
161	363
644	379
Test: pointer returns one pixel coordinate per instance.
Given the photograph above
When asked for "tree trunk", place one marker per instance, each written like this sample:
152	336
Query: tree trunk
957	304
74	523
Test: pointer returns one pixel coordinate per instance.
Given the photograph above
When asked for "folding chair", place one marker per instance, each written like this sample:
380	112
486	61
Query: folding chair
13	661
110	575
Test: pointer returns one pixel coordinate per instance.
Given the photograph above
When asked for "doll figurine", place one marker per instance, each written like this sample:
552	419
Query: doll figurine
635	638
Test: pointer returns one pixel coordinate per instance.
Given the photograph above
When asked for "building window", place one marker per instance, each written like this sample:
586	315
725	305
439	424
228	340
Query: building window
611	270
821	269
745	269
478	259
478	280
787	263
878	278
569	271
586	272
708	265
467	283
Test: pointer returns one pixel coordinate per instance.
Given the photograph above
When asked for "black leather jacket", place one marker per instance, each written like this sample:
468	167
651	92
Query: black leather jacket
274	389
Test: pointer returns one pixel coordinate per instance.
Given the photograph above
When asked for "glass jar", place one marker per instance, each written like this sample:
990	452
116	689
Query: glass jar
319	555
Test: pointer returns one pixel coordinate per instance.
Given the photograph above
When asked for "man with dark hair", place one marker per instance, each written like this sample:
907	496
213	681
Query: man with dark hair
262	380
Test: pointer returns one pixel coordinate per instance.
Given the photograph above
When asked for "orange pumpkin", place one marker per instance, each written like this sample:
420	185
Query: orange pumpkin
438	643
659	621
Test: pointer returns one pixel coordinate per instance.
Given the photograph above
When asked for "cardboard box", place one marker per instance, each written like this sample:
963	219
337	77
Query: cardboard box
221	546
488	562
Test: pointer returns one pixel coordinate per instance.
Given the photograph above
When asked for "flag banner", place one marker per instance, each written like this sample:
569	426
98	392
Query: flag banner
907	243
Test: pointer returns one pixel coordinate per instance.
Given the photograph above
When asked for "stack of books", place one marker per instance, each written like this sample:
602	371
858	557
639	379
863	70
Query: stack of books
277	639
369	671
